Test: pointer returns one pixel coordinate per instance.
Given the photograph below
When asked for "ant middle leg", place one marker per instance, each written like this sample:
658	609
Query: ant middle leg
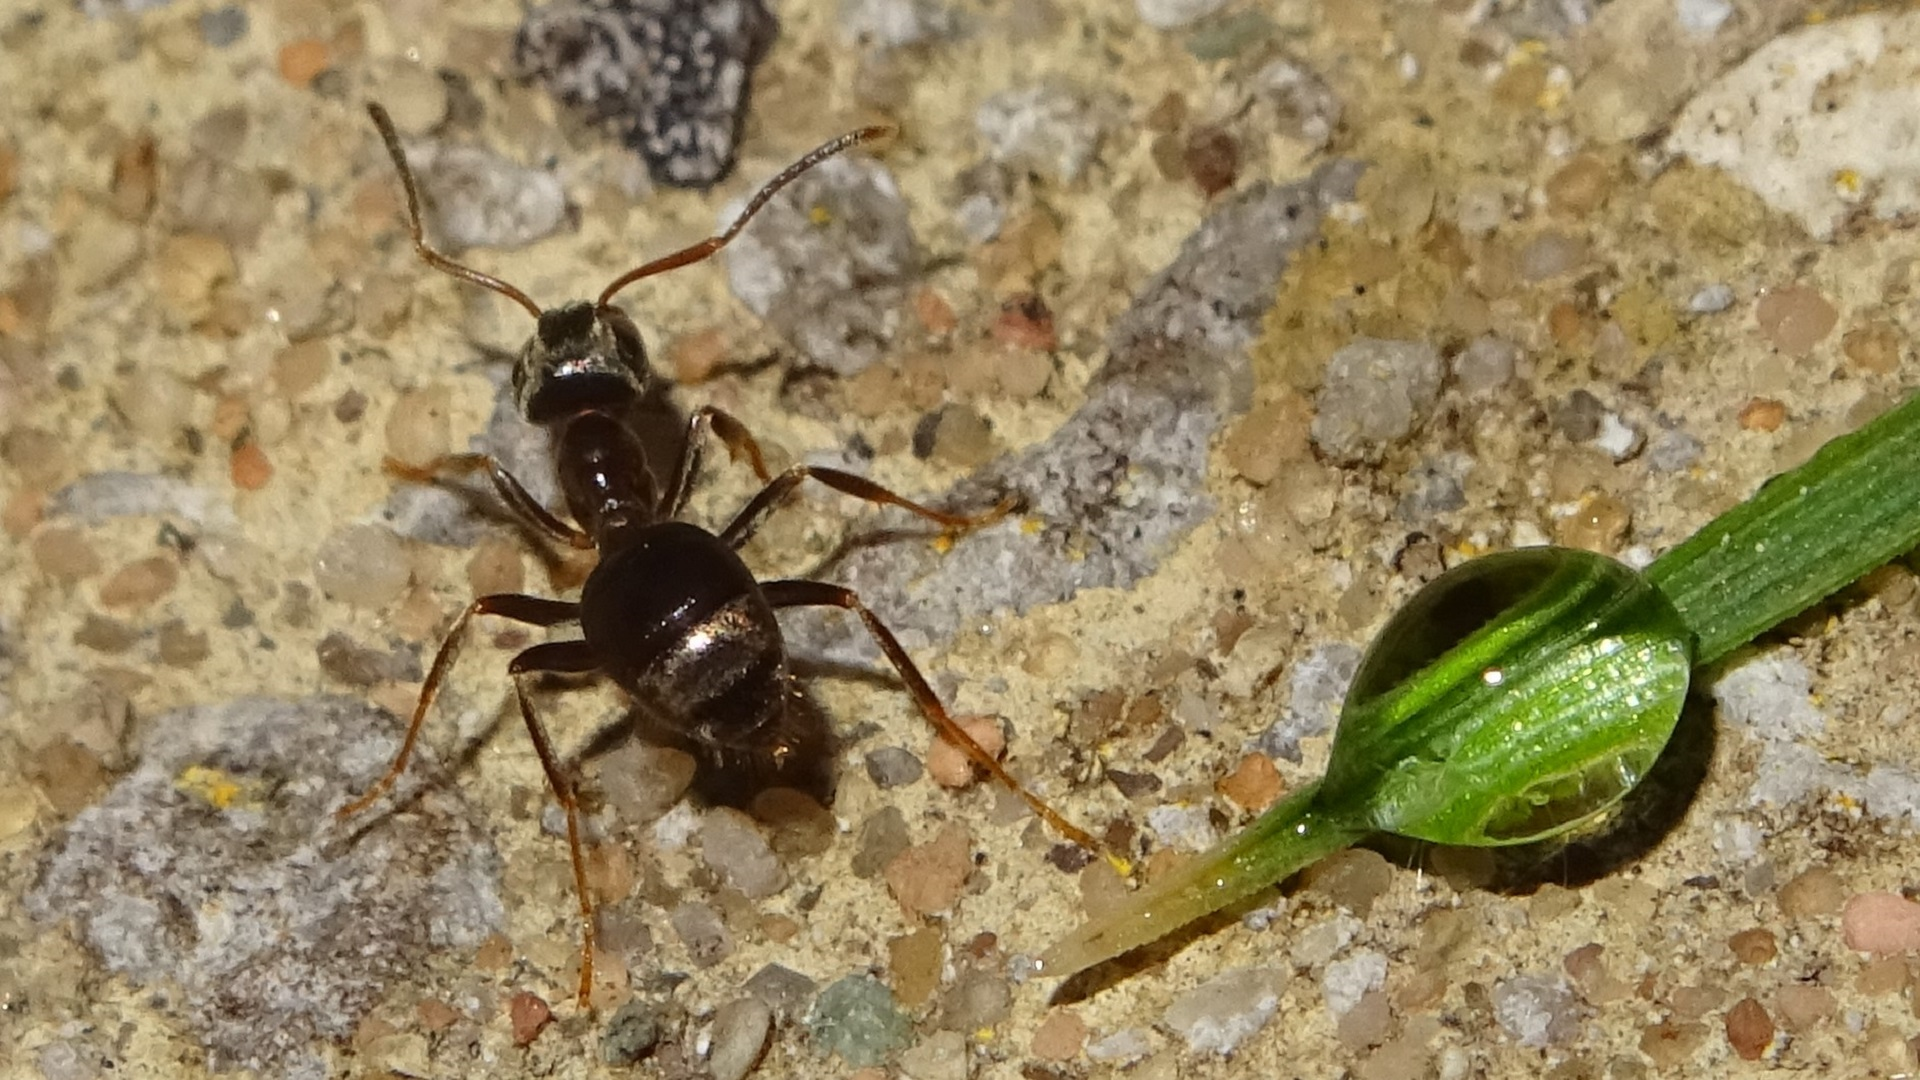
561	658
790	594
748	521
510	490
532	610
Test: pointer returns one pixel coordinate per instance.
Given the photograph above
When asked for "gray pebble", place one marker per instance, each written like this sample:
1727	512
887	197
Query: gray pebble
892	767
631	1034
1537	1010
707	939
1485	365
1711	299
1173	14
1375	393
740	1030
1047	129
1219	1014
857	1018
882	837
223	26
785	990
891	24
731	844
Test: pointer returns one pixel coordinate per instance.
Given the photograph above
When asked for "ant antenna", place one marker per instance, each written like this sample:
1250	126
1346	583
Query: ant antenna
705	248
420	246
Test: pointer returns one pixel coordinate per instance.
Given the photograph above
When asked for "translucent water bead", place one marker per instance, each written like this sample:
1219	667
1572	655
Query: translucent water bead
1512	699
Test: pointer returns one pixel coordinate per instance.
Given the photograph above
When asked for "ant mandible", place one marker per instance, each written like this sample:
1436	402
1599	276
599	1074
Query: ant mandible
670	612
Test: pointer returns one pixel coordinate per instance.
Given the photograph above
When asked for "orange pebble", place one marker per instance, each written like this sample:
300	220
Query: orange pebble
949	765
301	61
249	466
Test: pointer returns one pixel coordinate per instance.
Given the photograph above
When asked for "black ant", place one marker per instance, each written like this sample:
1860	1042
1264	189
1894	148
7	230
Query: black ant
671	613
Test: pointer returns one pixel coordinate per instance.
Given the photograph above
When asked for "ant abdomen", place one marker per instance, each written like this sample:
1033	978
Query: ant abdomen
678	619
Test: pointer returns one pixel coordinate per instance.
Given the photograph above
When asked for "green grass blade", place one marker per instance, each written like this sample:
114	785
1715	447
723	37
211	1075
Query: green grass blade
1805	534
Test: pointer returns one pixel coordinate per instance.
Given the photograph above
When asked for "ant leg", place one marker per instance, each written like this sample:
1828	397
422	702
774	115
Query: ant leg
511	492
562	658
738	441
787	594
532	610
747	522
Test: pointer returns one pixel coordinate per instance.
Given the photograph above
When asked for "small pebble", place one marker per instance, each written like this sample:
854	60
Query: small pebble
631	1034
1368	1023
1374	394
1813	893
1352	879
883	837
1873	348
64	554
1749	1029
248	466
733	847
950	766
1579	187
181	647
980	998
914	960
1672	1045
71	776
1802	1005
1795	318
1881	923
1026	323
1754	947
892	767
364	565
857	1019
1537	1011
1253	784
191	266
1551	255
785	990
1060	1036
419	427
1174	14
223	26
740	1031
1485	365
1122	1048
300	63
940	1056
927	879
1212	159
1048	129
703	933
1763	414
643	782
529	1015
1221	1013
140	583
799	827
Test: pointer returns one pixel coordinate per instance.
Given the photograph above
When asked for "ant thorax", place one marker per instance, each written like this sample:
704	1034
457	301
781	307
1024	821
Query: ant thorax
581	356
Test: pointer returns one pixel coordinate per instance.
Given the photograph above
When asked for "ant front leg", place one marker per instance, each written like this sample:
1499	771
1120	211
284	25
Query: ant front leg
739	441
790	594
748	521
510	490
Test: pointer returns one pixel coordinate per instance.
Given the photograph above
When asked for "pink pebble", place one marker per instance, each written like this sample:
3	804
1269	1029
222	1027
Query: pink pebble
1881	922
950	766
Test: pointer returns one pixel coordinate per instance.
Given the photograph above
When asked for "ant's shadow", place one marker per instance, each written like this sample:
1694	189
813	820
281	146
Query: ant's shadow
799	751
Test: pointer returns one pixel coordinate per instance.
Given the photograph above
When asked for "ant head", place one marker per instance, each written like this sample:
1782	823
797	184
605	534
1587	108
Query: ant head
581	356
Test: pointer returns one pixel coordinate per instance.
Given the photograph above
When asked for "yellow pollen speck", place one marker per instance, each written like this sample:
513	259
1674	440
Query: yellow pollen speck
210	785
1847	181
1032	526
819	215
943	543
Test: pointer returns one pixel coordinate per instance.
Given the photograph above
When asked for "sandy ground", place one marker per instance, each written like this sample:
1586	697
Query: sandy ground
136	341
